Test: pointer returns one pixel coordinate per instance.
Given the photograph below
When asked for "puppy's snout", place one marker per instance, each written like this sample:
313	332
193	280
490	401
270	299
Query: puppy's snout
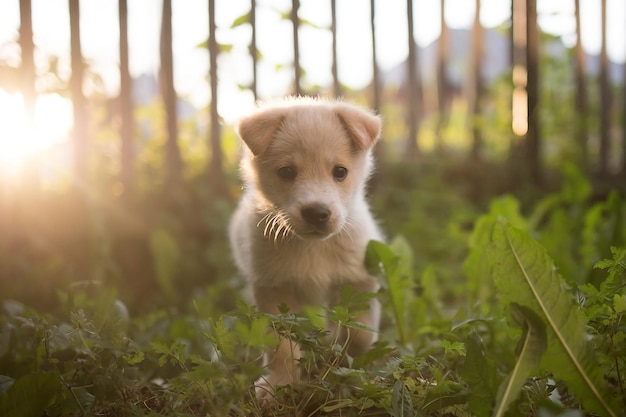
316	214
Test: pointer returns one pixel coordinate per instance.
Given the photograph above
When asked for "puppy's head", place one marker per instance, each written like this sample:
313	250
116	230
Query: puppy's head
308	162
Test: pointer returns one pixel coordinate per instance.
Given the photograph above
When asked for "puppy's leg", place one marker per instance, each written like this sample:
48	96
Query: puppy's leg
359	341
282	363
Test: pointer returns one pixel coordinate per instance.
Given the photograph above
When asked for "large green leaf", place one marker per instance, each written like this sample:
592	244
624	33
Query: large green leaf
479	372
479	286
31	395
524	274
393	263
530	348
401	403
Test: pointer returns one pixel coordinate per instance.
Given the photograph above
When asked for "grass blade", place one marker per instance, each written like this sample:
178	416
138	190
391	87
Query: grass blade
531	347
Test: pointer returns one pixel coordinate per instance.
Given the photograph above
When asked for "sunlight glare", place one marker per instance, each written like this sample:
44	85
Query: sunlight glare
21	138
520	111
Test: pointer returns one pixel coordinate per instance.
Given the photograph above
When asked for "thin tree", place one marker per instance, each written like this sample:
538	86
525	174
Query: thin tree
253	50
533	137
126	105
79	104
82	264
581	92
295	21
333	29
519	95
605	100
476	84
173	159
511	33
130	245
624	125
442	77
217	175
375	71
27	69
32	179
519	106
412	150
379	150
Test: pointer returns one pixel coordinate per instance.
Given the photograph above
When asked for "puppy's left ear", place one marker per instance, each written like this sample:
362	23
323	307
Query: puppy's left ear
258	129
362	126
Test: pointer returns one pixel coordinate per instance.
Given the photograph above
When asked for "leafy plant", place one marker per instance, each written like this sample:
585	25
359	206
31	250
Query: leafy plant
519	312
525	274
530	349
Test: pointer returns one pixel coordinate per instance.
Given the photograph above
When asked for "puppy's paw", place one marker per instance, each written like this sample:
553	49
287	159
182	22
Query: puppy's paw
264	391
265	387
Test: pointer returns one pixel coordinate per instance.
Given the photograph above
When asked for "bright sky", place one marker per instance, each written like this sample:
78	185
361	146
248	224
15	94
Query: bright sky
190	17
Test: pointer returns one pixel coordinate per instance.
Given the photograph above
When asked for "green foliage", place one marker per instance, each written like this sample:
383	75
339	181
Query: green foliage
569	228
517	312
394	263
166	254
530	349
478	371
476	265
524	274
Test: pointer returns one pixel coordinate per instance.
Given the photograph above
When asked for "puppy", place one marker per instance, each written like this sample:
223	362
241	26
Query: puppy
302	225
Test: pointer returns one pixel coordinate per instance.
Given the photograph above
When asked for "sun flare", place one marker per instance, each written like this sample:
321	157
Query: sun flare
21	138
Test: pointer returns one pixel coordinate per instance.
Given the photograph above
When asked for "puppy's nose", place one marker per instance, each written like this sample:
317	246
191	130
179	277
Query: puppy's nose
316	214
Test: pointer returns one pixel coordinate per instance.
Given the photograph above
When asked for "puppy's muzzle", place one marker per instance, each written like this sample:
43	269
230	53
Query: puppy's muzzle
316	215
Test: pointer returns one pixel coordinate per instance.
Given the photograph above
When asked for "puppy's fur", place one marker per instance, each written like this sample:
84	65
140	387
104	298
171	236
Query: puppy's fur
302	225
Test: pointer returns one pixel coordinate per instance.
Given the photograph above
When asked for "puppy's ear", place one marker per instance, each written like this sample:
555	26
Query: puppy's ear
258	129
362	126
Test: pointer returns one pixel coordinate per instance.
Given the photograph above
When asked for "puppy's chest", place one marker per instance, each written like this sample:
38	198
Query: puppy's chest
313	265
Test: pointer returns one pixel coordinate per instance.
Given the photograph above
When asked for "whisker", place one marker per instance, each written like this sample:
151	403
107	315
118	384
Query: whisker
276	226
347	228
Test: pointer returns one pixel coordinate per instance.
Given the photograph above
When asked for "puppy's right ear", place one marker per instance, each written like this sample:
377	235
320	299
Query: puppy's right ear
258	129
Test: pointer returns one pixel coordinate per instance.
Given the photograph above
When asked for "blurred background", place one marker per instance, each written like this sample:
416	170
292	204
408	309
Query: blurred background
118	158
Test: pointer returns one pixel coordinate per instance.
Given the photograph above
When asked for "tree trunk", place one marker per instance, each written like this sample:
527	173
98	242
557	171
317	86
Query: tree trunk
533	137
82	243
333	29
130	243
442	79
519	94
30	176
581	93
379	150
375	72
173	159
295	5
217	175
253	50
81	140
623	172
27	68
476	84
519	98
512	34
126	106
605	101
412	149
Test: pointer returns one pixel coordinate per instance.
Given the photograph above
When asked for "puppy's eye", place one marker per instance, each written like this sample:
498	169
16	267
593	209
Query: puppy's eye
287	172
340	173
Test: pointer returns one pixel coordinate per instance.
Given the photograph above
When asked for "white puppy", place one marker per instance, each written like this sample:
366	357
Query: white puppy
302	225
